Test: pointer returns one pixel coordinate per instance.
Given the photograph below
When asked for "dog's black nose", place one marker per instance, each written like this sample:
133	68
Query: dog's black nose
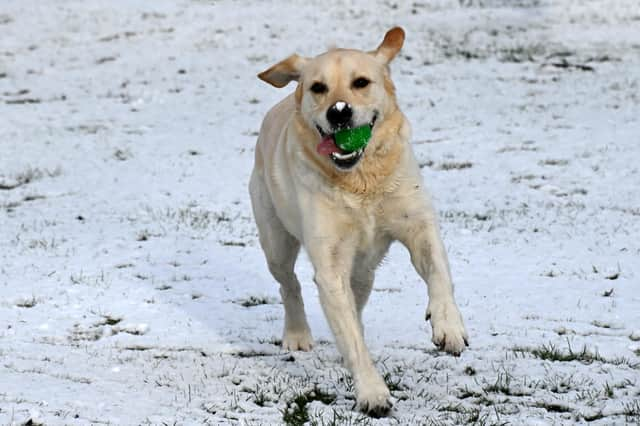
339	114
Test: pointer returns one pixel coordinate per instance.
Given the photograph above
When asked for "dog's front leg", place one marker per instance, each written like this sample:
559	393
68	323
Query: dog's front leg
422	239
332	259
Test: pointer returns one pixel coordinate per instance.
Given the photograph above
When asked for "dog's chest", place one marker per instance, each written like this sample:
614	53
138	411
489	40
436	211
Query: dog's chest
367	219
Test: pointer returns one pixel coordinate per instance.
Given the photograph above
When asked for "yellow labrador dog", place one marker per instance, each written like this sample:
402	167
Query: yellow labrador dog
346	208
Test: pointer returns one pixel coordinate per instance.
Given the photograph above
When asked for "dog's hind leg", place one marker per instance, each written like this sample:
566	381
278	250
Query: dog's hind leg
361	285
281	250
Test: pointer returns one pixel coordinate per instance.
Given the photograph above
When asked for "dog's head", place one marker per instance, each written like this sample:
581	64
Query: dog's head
341	89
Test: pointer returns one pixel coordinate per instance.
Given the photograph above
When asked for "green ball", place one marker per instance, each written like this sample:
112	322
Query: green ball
353	139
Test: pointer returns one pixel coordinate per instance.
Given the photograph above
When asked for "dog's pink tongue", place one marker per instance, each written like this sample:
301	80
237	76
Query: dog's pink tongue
327	146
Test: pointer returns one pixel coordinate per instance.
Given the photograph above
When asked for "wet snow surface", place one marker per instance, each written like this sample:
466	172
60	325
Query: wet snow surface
132	287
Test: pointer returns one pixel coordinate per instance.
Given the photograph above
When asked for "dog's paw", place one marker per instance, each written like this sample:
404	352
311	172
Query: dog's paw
297	341
374	398
449	333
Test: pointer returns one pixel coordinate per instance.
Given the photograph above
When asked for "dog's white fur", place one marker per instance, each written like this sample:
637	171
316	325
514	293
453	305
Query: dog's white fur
346	220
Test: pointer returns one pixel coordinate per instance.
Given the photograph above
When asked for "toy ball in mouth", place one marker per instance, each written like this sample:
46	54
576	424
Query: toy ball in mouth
350	140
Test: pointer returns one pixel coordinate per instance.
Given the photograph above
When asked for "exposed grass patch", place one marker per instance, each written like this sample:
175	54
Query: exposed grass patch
465	393
553	407
233	243
455	165
256	301
561	384
251	354
593	417
503	385
122	154
607	293
553	162
110	320
631	409
27	176
33	197
296	412
520	178
271	341
517	148
197	218
27	303
454	408
602	324
260	397
469	371
552	353
393	381
341	418
466	416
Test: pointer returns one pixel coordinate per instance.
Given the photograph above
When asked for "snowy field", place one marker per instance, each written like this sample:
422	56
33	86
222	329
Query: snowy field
132	286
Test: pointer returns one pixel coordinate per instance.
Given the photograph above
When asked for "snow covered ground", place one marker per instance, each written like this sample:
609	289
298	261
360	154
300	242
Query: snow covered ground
132	287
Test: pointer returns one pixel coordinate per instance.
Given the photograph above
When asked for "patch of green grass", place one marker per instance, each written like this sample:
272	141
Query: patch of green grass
455	165
553	407
469	371
393	379
255	301
230	243
608	390
602	324
474	416
341	418
593	417
485	400
631	409
296	412
465	393
551	352
250	354
110	320
260	398
553	162
27	303
271	341
503	385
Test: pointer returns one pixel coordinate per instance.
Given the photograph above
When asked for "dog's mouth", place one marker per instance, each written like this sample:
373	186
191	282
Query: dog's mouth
343	160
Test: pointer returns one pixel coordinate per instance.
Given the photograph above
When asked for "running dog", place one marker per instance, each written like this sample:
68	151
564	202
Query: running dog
346	208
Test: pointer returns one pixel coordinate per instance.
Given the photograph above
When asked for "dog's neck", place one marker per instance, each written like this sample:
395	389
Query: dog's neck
375	172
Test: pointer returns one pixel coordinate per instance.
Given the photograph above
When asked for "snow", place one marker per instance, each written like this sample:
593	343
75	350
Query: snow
132	286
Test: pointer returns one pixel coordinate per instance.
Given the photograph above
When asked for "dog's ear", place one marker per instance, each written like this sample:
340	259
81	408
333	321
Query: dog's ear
285	71
391	45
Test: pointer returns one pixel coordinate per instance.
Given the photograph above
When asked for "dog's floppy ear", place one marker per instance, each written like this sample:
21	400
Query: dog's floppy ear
391	45
285	71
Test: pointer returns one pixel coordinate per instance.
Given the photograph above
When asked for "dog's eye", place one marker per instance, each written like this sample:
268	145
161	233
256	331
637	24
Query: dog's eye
360	82
319	88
